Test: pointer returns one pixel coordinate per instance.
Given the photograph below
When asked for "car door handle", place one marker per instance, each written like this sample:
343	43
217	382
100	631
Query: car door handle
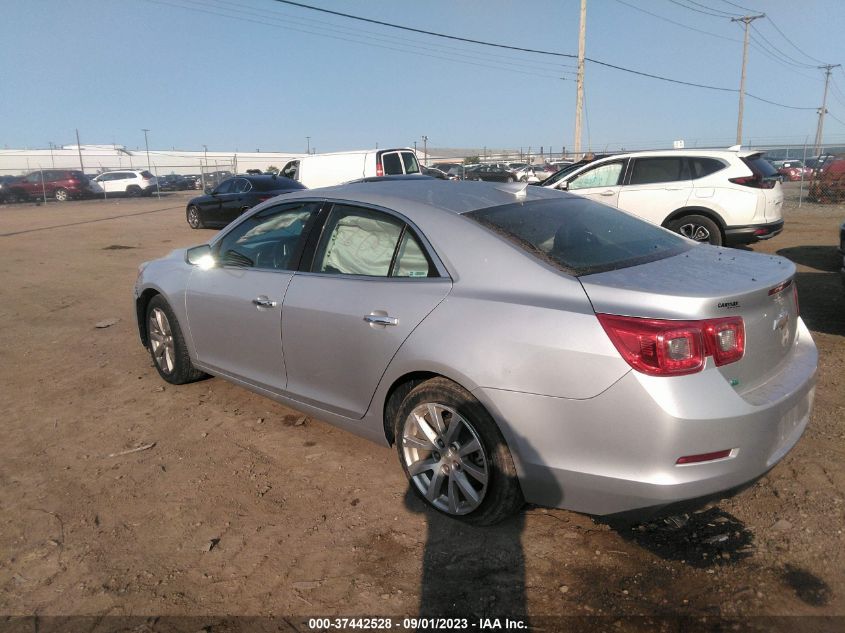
381	319
609	192
263	301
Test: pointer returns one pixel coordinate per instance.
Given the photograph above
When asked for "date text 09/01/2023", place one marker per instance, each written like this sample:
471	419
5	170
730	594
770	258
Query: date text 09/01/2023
413	624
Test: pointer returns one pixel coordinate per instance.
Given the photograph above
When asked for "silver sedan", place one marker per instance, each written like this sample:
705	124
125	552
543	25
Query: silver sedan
514	343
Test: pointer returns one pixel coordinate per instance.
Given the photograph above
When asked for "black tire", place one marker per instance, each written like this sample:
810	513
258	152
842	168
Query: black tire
194	218
133	191
181	370
510	179
697	227
62	195
501	495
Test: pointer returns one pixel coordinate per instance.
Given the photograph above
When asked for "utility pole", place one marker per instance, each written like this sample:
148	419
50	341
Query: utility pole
79	150
308	140
52	160
147	145
823	110
425	150
746	19
579	98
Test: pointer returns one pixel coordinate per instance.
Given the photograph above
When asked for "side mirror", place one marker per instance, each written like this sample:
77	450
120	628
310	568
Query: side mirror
200	256
563	186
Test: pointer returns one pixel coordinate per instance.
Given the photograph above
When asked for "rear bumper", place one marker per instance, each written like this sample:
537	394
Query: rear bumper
751	233
617	452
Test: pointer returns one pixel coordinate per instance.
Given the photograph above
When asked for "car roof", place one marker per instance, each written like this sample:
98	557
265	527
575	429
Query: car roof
418	197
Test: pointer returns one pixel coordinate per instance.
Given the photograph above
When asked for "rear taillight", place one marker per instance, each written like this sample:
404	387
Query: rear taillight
725	339
379	170
661	347
754	181
263	198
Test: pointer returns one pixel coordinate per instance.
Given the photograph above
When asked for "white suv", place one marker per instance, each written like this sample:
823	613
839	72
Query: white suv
716	196
132	182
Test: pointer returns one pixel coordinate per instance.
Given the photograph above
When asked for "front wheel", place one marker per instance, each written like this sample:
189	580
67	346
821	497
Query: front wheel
194	218
167	344
697	227
454	454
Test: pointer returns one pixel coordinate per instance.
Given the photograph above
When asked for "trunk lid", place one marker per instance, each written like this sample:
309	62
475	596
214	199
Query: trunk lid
709	282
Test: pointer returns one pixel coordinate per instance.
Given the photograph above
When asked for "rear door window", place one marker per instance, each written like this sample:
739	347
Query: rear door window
580	236
241	185
646	171
358	241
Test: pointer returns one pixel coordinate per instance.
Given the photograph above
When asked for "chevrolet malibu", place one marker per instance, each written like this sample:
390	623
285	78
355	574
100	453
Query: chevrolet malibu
514	343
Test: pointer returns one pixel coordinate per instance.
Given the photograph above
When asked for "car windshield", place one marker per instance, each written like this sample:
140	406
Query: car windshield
558	175
579	235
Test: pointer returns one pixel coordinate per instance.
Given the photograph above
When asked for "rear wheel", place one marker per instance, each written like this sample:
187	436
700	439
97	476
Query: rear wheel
62	195
454	455
194	218
133	191
167	345
699	228
510	179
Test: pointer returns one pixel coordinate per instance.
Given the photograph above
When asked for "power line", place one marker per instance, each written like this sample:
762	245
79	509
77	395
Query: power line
230	5
685	6
264	22
685	26
783	35
533	50
838	120
734	4
729	14
789	57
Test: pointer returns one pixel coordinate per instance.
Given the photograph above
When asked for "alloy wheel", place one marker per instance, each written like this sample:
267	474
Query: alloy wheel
161	341
194	217
445	458
695	232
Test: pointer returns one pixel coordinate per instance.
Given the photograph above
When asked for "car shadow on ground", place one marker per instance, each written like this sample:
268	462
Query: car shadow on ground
821	295
701	539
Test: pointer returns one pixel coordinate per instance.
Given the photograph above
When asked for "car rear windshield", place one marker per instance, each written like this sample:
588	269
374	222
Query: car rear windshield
580	236
760	167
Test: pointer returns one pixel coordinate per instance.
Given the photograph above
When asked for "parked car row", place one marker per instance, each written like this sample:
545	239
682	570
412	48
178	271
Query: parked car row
61	184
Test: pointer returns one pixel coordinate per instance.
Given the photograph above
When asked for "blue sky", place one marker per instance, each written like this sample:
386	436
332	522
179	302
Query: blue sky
247	74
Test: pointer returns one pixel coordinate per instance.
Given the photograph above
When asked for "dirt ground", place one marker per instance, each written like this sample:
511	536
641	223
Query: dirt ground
241	508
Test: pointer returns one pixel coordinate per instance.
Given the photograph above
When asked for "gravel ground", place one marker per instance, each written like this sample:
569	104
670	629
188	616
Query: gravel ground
244	507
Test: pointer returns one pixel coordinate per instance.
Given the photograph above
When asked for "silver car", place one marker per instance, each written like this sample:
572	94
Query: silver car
514	343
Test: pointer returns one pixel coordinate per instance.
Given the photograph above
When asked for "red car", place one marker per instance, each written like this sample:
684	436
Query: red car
829	183
61	184
793	170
